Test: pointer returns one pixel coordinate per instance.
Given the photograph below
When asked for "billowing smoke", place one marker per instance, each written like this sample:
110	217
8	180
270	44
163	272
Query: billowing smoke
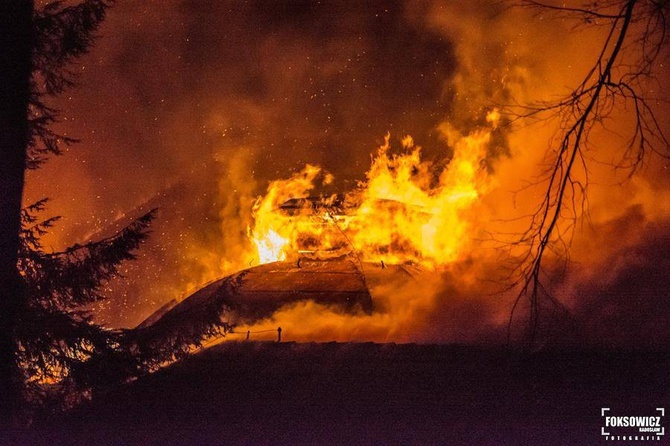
194	106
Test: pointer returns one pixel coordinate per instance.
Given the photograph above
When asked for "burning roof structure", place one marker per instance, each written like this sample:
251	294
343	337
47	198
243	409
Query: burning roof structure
333	250
256	293
343	284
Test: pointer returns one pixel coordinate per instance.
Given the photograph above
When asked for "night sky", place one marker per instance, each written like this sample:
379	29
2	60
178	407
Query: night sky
193	106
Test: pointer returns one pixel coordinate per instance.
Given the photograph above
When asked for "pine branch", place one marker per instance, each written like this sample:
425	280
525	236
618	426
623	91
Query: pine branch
182	330
75	277
58	343
62	34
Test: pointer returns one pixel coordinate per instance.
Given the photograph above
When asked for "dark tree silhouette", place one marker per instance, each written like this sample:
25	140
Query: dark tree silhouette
46	341
634	45
16	33
51	352
62	34
61	352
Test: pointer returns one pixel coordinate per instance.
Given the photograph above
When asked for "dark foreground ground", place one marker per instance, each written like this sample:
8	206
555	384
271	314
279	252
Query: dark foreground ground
268	393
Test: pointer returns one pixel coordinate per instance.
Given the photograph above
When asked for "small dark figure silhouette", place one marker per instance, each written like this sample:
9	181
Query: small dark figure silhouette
248	333
279	334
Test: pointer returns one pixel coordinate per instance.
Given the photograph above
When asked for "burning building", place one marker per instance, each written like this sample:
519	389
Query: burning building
341	251
408	210
237	97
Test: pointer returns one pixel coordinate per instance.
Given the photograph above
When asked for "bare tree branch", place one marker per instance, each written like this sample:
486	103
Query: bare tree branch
635	27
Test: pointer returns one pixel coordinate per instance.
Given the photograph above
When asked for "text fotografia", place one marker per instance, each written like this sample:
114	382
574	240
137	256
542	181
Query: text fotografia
633	428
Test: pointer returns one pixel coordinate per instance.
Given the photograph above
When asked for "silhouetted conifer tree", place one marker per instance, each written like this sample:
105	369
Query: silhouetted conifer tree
61	352
48	343
51	351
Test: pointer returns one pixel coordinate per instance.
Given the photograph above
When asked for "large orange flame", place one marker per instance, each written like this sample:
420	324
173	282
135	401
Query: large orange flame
405	211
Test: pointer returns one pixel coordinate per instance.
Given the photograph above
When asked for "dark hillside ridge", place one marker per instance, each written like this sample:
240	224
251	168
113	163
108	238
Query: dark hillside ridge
348	393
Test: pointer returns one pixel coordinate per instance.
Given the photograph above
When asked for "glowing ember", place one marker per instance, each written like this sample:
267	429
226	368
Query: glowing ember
404	212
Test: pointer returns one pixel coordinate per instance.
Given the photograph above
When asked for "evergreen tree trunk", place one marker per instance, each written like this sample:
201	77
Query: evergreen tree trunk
15	71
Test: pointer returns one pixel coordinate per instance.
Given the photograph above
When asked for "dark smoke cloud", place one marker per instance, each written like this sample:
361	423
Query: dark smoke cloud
623	298
299	81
